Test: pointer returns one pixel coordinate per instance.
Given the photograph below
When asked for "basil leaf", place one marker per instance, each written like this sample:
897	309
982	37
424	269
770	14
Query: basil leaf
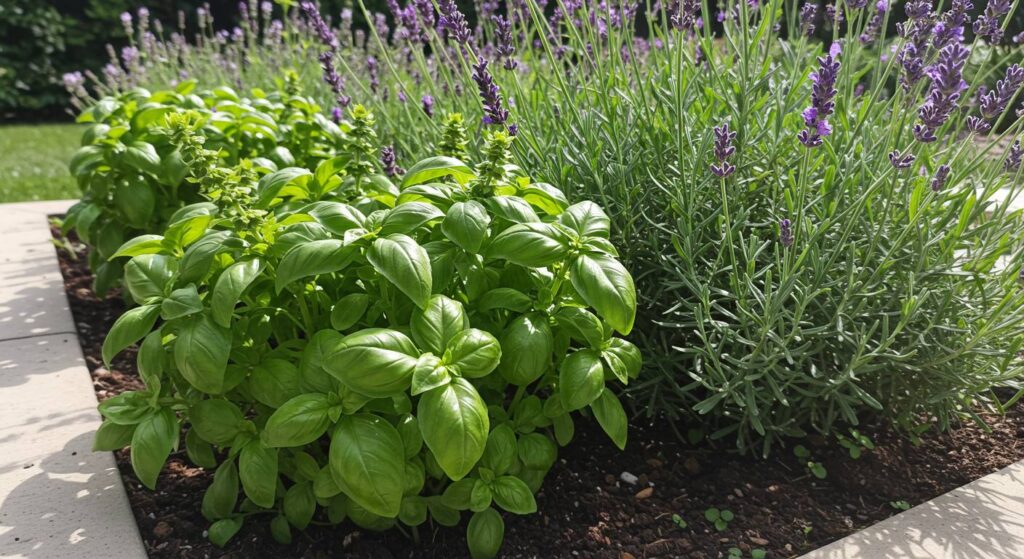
152	441
501	452
408	217
224	529
299	504
257	469
485	533
367	458
221	496
129	328
587	219
580	379
604	284
623	358
511	494
229	288
429	374
375	362
455	426
533	245
298	422
405	264
526	347
180	303
537	452
216	421
438	322
112	436
433	168
466	225
143	244
609	413
311	259
274	381
147	276
348	310
473	352
201	353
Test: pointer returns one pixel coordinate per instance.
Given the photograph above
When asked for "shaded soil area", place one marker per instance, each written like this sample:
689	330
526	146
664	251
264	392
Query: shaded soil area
587	508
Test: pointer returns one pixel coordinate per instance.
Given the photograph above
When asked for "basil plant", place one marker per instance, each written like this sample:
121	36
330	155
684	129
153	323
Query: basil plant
339	346
133	177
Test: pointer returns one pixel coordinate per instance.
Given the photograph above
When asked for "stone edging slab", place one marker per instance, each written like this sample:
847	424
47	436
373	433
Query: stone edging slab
58	499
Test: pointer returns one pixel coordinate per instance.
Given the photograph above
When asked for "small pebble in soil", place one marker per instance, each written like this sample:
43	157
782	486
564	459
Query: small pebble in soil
628	478
645	493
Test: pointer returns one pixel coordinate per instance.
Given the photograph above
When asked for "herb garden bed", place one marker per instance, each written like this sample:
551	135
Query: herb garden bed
586	509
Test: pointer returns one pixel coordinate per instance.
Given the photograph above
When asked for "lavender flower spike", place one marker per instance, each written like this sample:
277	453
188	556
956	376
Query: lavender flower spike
428	105
994	102
987	25
939	180
723	149
453	21
808	18
387	160
822	95
489	94
901	161
786	233
947	85
1013	157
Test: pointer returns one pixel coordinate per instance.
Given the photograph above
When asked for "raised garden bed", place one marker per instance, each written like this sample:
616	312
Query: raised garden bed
586	509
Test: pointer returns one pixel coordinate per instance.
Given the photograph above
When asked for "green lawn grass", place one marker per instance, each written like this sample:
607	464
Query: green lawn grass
34	161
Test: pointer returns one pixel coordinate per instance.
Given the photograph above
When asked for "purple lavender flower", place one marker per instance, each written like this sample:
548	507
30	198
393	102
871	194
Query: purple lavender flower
723	149
786	233
489	94
387	160
822	95
901	160
1013	157
513	129
453	21
323	31
939	180
987	25
947	85
857	4
428	105
994	102
874	26
504	46
834	14
371	69
808	17
336	115
978	125
683	14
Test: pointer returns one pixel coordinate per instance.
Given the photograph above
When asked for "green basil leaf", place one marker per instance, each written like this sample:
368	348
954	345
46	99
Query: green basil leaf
581	379
405	264
220	498
152	442
131	327
473	352
501	452
438	322
413	511
112	436
623	358
455	426
298	422
224	529
136	201
280	530
609	413
201	353
604	284
142	156
127	408
481	497
229	288
375	362
311	259
536	451
257	469
429	374
512	208
367	459
313	376
199	451
504	298
549	199
299	504
412	440
198	259
180	303
348	310
187	231
565	429
216	421
587	219
324	485
582	325
511	494
274	185
441	513
274	381
526	347
335	216
533	245
146	276
466	225
458	494
408	217
143	244
433	168
485	533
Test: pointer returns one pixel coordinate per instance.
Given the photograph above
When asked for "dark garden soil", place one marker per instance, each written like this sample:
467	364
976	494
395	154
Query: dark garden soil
585	507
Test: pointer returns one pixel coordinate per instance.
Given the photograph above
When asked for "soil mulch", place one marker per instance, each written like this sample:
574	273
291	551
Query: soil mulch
586	508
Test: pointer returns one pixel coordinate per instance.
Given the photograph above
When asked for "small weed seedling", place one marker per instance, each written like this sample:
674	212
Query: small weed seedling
720	518
855	443
900	505
737	553
678	521
817	469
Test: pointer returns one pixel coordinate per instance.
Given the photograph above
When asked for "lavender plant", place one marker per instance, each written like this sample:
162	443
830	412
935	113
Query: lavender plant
860	257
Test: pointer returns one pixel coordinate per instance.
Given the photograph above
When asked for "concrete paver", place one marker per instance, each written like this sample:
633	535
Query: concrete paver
58	499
